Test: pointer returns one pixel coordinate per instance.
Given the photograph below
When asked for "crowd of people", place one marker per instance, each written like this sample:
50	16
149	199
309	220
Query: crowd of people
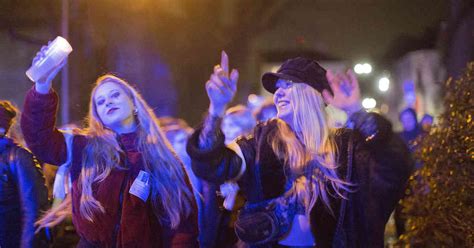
275	176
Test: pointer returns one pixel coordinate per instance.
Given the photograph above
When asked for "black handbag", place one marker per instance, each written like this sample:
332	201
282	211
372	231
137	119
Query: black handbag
264	222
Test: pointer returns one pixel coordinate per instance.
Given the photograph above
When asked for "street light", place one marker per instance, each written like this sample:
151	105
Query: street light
369	103
364	68
384	84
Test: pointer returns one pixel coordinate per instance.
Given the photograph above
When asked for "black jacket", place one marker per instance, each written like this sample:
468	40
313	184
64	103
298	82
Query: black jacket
23	195
380	169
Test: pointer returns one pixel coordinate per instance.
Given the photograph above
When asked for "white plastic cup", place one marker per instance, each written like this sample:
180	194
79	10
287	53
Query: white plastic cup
57	51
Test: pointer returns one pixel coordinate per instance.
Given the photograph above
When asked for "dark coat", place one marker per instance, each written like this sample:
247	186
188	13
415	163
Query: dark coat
138	225
23	195
380	169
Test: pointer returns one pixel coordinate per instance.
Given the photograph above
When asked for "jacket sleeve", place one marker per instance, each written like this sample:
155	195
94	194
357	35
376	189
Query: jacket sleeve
216	164
38	126
382	165
32	193
387	160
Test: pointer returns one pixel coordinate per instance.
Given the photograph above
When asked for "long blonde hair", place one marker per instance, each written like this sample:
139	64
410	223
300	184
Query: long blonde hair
170	194
171	197
310	152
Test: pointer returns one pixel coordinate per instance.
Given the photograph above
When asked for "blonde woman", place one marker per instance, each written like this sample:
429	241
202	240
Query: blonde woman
325	197
128	188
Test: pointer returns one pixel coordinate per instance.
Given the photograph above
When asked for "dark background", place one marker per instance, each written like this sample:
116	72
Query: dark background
167	48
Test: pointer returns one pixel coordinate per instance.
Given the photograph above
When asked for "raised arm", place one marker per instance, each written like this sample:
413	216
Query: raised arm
220	88
392	163
38	120
381	162
211	159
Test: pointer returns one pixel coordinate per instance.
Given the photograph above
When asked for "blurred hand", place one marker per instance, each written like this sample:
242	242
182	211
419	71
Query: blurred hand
221	86
346	91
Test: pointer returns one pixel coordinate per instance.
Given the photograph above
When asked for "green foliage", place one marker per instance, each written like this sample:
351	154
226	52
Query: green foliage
440	203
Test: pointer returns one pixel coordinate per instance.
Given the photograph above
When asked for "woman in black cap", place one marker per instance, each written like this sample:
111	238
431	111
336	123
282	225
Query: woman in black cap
305	184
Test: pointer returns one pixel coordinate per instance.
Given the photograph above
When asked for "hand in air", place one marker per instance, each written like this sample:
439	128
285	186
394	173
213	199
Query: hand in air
221	86
346	91
48	77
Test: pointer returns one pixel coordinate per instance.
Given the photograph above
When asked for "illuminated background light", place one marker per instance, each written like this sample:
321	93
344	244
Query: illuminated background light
358	69
365	68
384	84
369	103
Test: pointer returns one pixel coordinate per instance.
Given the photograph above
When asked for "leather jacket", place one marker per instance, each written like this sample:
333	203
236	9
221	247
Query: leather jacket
23	195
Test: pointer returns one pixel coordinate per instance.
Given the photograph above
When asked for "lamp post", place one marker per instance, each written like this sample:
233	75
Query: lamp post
65	70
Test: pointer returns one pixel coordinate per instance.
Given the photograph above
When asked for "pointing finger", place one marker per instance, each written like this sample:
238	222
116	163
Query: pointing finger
225	62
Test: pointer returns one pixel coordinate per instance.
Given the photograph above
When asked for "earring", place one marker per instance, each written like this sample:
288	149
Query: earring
135	111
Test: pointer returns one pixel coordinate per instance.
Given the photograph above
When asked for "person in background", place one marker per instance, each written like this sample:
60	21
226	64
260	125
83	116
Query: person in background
177	132
266	111
426	123
411	129
237	121
412	134
223	207
337	196
23	194
128	187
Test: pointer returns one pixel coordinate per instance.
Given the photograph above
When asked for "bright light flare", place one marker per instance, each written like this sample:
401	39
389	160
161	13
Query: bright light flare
364	68
359	69
369	103
384	84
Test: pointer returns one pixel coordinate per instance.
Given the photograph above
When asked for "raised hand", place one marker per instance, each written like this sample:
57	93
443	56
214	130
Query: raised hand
346	91
221	86
49	76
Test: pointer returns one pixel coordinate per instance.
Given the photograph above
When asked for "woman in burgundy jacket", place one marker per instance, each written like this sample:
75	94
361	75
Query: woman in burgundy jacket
128	187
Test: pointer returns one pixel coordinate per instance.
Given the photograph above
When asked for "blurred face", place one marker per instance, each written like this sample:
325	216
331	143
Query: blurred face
426	123
114	107
268	113
230	129
408	122
178	141
284	101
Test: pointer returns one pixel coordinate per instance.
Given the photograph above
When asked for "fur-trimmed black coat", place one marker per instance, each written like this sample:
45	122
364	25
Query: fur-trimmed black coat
380	169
